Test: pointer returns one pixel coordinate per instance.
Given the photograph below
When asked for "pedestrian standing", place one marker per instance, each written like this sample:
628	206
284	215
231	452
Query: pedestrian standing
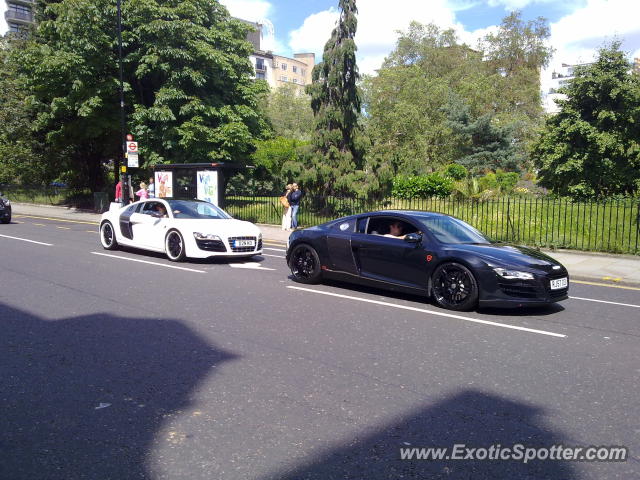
118	198
286	212
142	193
294	201
151	188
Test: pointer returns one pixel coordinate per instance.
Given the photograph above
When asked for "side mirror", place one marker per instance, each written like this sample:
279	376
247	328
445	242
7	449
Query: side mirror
413	237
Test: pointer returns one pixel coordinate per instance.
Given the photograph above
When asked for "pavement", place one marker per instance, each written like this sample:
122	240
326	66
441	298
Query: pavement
604	268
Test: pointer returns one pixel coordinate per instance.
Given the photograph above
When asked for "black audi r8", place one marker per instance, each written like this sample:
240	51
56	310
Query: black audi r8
426	253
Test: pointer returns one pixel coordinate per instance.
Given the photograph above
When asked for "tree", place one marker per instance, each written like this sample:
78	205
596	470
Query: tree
188	87
289	113
483	144
335	159
517	52
408	124
591	148
21	152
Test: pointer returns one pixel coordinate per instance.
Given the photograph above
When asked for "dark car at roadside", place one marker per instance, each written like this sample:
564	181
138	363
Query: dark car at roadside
437	255
5	209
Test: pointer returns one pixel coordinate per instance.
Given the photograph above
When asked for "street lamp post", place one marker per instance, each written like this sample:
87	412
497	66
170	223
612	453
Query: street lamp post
123	170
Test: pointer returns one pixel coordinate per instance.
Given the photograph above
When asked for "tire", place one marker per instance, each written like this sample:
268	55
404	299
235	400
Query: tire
108	236
174	246
305	264
454	287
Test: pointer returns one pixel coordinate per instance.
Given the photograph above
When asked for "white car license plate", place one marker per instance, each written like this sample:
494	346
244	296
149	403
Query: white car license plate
245	243
559	283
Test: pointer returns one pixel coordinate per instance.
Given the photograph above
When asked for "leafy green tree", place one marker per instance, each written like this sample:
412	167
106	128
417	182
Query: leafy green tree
517	52
188	87
289	113
591	148
21	151
335	161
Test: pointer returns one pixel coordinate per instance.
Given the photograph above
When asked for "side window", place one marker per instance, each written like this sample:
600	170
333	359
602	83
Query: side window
345	226
362	225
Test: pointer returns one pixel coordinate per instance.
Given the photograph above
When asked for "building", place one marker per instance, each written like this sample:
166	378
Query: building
558	80
276	69
19	15
296	70
636	65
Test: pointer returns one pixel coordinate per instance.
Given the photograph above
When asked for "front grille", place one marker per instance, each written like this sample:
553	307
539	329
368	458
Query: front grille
520	290
211	245
232	241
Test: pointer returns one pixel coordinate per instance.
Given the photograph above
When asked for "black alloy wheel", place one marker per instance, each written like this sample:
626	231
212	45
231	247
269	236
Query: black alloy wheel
108	236
454	287
174	246
305	264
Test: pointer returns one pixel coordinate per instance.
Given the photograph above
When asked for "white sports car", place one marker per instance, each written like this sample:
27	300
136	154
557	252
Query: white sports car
179	228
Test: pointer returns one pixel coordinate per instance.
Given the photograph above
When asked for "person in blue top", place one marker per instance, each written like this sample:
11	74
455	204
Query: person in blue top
294	202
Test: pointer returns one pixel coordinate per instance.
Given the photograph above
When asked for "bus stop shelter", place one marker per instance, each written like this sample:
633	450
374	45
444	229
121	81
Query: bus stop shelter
187	181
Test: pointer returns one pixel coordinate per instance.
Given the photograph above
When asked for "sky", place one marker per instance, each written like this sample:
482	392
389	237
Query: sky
578	27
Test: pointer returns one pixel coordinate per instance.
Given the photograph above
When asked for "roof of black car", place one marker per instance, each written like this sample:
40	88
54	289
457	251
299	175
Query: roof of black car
411	213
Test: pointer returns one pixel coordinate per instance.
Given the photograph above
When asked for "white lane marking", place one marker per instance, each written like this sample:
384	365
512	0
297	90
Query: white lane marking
250	265
431	312
150	263
27	240
605	301
275	249
274	256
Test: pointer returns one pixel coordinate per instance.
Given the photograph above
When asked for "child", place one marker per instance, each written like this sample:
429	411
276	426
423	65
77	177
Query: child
142	193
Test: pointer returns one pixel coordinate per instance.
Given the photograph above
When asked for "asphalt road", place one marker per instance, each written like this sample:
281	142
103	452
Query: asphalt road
123	365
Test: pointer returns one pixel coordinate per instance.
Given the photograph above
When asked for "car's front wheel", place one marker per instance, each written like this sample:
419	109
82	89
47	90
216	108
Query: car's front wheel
454	287
305	264
108	236
174	246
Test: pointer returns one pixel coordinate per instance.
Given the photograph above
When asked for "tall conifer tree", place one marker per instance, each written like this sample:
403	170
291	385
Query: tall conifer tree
336	106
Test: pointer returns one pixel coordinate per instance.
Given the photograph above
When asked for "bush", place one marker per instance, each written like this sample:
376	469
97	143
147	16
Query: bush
455	171
503	182
434	185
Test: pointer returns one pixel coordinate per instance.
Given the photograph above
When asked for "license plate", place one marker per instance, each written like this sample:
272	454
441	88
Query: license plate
559	283
245	243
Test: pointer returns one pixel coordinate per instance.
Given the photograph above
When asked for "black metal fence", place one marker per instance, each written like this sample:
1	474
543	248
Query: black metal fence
610	225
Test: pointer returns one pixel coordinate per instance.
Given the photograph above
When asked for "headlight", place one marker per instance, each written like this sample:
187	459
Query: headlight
7	203
209	236
513	274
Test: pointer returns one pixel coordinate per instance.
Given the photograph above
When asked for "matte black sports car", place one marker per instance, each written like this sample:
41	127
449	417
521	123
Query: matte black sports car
429	253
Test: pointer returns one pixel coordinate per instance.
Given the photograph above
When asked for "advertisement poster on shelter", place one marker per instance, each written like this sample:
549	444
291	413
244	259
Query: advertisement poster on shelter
208	186
164	184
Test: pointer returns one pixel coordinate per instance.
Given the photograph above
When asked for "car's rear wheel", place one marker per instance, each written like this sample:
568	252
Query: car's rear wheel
454	287
305	264
108	236
174	246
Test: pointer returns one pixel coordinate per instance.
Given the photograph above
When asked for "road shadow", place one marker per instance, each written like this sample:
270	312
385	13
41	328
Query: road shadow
85	397
470	417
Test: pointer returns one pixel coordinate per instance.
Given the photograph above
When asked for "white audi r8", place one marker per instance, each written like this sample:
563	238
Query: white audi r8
179	228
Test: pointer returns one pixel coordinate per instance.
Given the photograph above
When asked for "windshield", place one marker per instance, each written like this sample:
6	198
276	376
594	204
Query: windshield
196	210
452	230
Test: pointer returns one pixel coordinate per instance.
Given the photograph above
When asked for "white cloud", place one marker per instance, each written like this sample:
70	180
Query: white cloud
377	27
252	10
578	36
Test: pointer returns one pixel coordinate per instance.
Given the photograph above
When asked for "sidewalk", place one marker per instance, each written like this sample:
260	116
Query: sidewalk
590	266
